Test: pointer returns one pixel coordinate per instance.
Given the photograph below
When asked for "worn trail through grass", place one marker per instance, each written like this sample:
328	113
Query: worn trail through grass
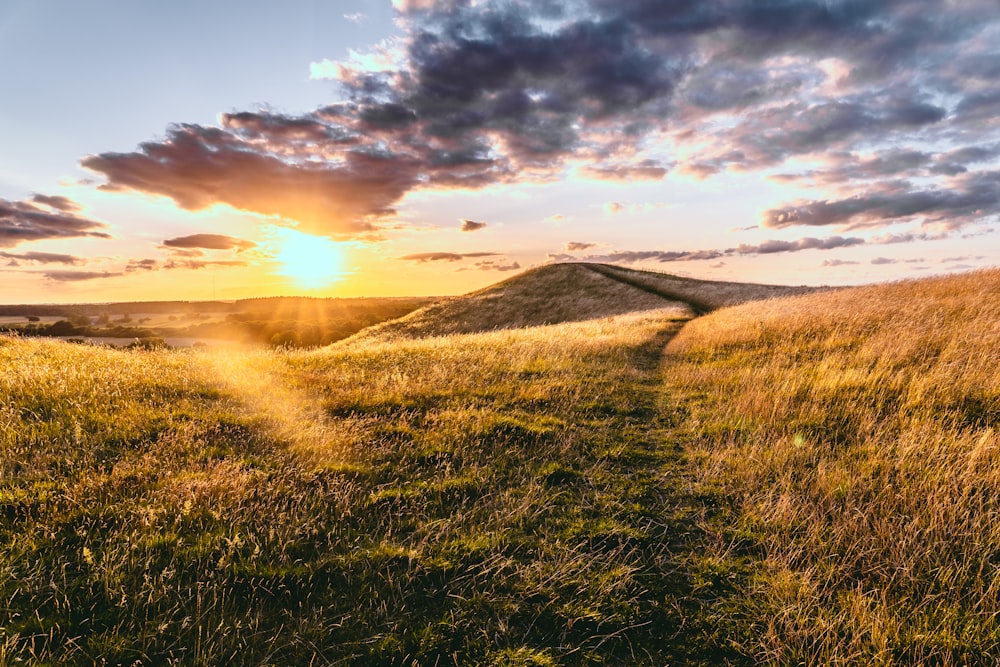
547	485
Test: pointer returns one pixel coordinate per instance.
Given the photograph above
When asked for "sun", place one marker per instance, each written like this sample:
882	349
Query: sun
311	261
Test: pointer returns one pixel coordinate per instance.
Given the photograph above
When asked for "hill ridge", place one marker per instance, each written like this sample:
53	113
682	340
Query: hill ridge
570	292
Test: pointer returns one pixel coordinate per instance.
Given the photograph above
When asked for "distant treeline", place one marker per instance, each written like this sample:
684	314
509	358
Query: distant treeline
74	328
303	325
292	321
258	304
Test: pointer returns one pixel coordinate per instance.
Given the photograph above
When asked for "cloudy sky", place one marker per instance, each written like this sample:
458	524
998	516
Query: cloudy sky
229	149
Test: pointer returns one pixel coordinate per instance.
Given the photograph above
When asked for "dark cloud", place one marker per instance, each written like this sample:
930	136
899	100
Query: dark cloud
773	135
894	163
646	170
504	90
734	86
37	220
576	246
472	225
771	247
979	106
497	266
209	242
79	276
971	197
43	258
839	262
57	202
446	256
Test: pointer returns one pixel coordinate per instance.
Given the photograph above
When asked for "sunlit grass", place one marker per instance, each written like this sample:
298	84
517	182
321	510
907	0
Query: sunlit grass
812	480
856	433
498	498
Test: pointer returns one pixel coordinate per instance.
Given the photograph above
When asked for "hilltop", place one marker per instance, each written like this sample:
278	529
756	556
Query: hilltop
570	293
702	296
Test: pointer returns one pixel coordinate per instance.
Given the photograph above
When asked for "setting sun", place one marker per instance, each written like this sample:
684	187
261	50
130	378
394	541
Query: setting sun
311	261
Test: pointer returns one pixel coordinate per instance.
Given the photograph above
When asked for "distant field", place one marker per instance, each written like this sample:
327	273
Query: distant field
291	321
23	319
812	479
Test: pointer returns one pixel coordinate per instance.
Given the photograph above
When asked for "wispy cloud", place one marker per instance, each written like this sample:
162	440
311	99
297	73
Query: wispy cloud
498	266
447	256
644	170
970	197
770	247
43	218
42	258
209	242
79	276
56	202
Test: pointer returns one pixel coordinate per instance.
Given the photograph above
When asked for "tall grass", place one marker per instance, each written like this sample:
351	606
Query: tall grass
855	434
501	498
813	480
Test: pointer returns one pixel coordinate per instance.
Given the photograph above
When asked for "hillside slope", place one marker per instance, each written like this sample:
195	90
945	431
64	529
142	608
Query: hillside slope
547	295
857	436
702	295
570	293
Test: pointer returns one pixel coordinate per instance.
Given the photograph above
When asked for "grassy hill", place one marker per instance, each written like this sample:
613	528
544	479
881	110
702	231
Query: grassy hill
804	480
571	293
547	295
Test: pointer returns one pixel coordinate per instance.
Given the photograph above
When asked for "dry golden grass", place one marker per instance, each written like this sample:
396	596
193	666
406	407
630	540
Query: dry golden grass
856	435
518	496
500	498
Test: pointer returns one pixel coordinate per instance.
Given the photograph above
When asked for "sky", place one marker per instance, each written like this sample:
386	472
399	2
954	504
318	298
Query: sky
223	150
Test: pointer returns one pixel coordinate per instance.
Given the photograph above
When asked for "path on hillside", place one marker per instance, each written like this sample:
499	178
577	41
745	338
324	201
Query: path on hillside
702	588
698	306
556	528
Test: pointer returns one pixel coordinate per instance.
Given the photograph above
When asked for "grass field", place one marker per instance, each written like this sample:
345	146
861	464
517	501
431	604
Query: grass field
808	480
855	434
